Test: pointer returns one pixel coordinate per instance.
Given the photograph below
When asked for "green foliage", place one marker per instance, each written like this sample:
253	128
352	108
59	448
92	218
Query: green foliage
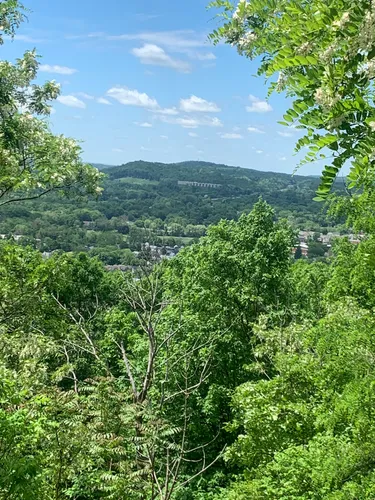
11	16
308	432
323	52
33	160
232	371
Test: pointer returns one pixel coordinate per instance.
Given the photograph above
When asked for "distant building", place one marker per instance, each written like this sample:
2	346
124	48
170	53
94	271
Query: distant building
198	184
120	267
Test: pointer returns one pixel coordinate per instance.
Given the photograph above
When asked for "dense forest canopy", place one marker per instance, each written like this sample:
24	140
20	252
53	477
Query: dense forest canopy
230	371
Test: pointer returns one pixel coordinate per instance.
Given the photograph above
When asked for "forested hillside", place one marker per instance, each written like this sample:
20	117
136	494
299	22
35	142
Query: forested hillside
231	371
151	202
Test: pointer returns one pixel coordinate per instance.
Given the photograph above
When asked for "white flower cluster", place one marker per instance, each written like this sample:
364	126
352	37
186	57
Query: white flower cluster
305	48
327	55
366	37
246	42
239	12
336	122
281	82
57	177
325	98
368	69
341	23
372	126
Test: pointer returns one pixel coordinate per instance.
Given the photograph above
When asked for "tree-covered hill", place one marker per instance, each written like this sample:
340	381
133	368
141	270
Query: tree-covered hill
145	189
161	203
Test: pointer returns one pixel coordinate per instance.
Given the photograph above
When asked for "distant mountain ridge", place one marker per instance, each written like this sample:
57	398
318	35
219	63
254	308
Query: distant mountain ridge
194	164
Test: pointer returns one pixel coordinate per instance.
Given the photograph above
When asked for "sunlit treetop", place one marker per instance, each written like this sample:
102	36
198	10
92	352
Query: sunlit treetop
322	53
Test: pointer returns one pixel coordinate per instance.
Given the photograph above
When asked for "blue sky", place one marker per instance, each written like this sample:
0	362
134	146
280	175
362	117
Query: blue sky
140	81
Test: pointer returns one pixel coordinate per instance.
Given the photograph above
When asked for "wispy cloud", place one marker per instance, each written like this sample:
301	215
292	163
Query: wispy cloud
154	55
193	134
117	150
196	104
202	56
102	100
285	134
192	122
259	151
258	106
231	136
164	137
166	111
255	130
146	17
144	124
83	95
71	101
60	70
188	42
24	38
176	40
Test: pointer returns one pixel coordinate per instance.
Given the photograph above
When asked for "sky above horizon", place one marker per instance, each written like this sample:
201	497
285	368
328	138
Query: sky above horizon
139	80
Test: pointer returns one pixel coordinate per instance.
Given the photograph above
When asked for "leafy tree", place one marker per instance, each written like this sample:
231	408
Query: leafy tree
323	53
308	432
33	160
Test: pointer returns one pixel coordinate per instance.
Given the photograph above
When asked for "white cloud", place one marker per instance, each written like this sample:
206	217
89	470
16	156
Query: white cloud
101	100
198	105
259	151
193	134
145	149
189	146
166	111
71	101
190	122
258	106
285	134
130	97
117	150
145	125
84	95
60	70
156	56
231	136
164	137
283	158
255	130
